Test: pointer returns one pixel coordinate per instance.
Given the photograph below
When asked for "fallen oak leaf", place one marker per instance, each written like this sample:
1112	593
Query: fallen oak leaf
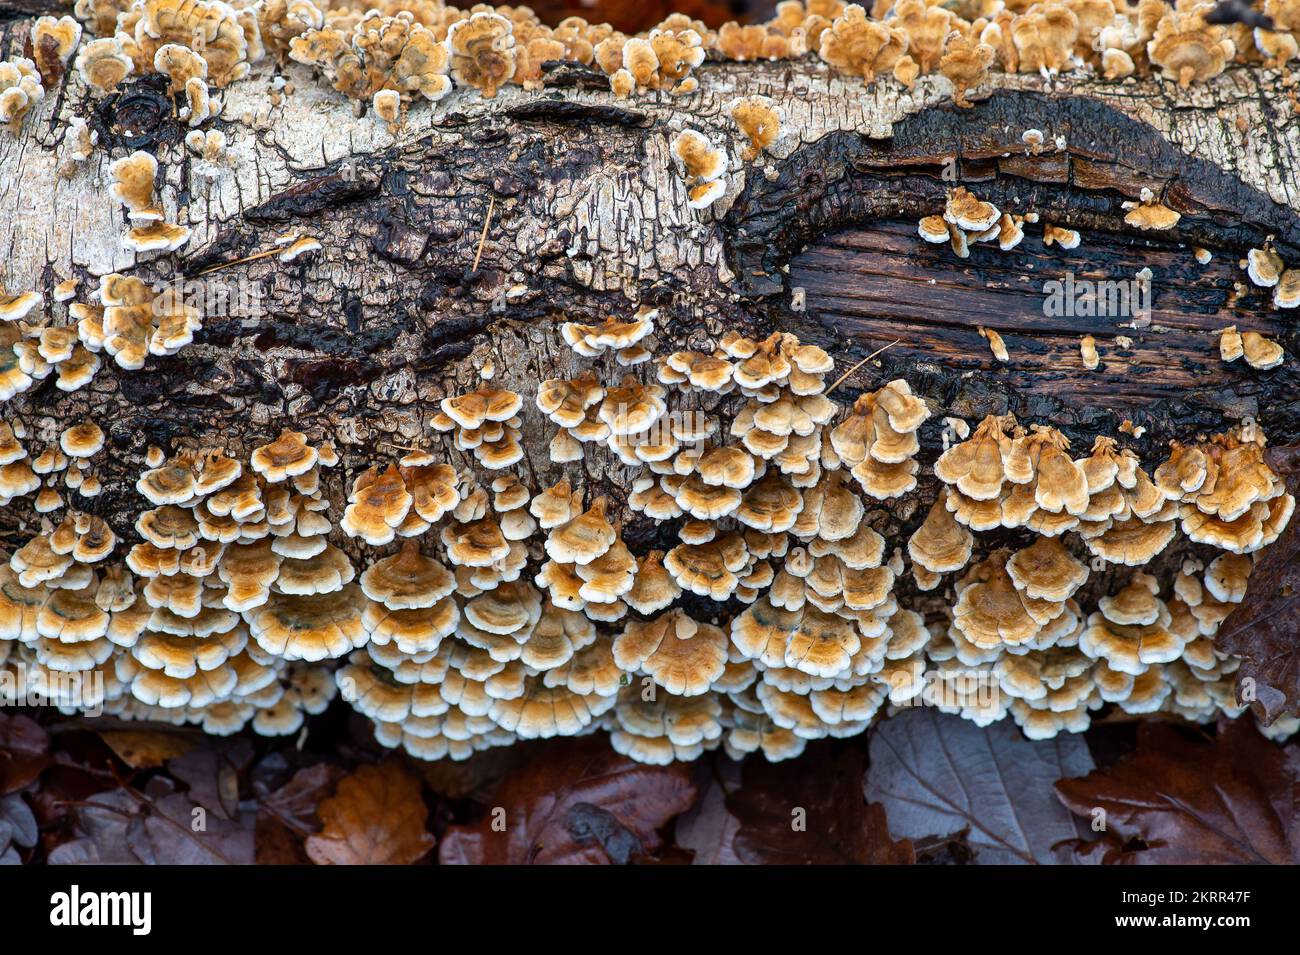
574	802
938	774
17	828
377	816
587	824
1262	628
812	811
1189	800
184	833
18	816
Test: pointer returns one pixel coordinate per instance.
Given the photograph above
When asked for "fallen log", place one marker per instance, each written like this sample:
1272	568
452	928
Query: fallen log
462	241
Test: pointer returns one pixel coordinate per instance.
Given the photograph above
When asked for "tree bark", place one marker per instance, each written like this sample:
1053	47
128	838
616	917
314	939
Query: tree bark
568	202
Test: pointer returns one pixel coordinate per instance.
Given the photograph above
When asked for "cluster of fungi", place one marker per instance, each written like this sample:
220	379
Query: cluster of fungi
462	607
967	220
1038	586
394	53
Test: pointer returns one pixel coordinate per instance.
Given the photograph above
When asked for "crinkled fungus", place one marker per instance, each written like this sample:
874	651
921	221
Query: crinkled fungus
702	165
759	118
482	51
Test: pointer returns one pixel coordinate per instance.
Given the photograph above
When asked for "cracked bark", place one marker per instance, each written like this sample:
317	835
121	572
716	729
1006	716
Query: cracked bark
359	341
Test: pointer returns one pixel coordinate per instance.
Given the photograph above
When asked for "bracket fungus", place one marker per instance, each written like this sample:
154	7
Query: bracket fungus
1150	215
759	119
133	185
702	166
741	556
482	51
53	43
858	46
20	90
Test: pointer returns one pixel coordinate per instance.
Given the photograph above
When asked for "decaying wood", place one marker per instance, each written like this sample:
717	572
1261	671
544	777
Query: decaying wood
590	218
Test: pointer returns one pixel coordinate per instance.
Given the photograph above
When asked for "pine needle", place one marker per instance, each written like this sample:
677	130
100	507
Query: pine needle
844	377
492	203
248	258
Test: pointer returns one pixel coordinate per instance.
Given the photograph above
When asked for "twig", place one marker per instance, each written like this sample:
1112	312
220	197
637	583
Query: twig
248	258
492	204
844	377
405	447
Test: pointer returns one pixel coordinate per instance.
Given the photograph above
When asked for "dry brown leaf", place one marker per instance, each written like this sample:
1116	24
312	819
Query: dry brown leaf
575	802
377	817
987	789
24	752
149	749
812	811
1262	628
287	816
1187	800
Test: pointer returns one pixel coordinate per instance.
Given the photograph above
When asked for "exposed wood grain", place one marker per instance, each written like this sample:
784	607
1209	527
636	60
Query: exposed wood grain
883	281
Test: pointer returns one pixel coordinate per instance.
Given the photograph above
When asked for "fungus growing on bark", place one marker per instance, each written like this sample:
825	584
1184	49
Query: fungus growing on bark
759	119
1088	352
377	506
856	45
611	334
680	654
967	212
1264	267
1044	37
1261	352
322	626
102	64
990	612
940	544
132	185
1187	49
676	53
1286	294
702	165
996	344
53	43
965	63
213	29
287	456
387	105
482	52
711	569
379	54
300	246
155	237
20	91
1150	215
823	641
583	538
1065	238
933	229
